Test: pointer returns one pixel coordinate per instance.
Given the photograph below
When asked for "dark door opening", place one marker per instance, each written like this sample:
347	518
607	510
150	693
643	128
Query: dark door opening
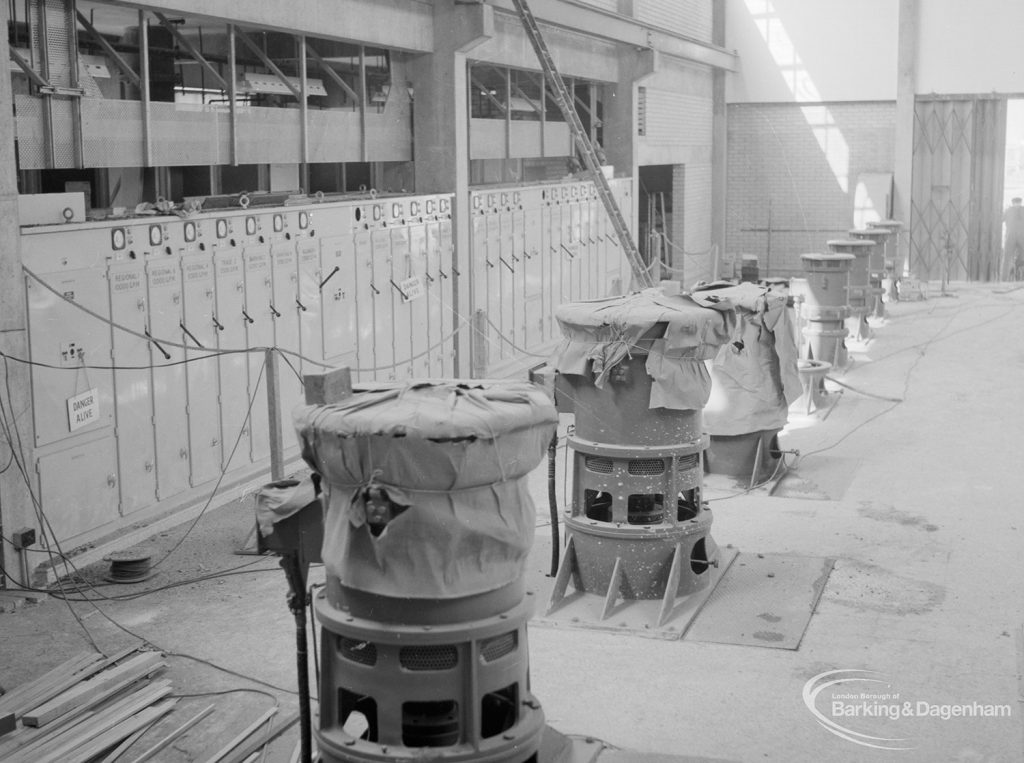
655	212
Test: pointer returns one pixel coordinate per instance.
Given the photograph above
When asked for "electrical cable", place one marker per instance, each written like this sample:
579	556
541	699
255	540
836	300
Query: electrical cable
417	356
511	344
290	365
230	572
62	595
780	465
17	449
579	404
222	692
973	326
316	649
89	366
229	671
10	461
710	250
115	324
939	335
553	501
862	392
214	352
148	642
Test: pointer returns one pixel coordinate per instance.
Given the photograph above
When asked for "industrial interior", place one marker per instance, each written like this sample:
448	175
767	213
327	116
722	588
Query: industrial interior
590	381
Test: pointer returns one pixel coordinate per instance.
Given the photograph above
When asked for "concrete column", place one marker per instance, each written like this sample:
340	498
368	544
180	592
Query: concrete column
719	138
16	509
906	85
441	136
621	107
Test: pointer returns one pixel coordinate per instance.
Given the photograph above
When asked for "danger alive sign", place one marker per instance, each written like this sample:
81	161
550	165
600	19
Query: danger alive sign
83	409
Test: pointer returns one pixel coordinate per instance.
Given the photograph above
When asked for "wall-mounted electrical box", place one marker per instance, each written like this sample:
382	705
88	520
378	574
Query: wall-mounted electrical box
51	208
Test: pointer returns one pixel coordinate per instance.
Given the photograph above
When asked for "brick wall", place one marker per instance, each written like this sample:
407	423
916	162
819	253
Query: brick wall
690	17
803	160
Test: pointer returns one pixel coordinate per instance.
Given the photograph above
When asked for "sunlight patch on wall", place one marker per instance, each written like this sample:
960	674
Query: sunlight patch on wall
783	52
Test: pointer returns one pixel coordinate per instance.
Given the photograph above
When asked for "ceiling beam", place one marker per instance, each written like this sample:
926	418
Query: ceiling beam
587	20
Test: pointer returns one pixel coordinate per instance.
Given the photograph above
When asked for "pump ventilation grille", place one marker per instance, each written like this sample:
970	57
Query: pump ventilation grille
599	464
495	648
646	467
439	657
691	461
355	650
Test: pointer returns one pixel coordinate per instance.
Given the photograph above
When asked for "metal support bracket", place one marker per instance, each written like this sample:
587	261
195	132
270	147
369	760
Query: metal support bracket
265	60
191	50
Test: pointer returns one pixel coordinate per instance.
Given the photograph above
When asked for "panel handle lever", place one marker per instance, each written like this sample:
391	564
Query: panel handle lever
190	335
330	276
167	355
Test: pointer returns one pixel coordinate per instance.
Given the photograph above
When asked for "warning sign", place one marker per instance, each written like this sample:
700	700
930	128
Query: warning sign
412	288
83	409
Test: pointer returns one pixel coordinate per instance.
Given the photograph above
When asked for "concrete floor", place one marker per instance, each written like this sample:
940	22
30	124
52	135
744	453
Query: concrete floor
926	589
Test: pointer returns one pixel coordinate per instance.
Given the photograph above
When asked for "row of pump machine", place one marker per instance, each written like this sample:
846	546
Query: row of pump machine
424	522
144	332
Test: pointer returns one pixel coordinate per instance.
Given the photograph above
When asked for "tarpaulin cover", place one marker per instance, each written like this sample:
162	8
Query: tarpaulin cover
279	500
455	456
599	334
754	375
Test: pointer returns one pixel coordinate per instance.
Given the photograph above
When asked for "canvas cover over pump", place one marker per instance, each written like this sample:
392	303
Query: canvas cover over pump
675	332
754	375
449	460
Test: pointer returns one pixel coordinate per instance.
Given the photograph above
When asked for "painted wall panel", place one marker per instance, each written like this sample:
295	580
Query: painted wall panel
510	288
403	326
259	330
61	336
424	316
382	302
285	312
343	332
441	253
202	375
133	404
234	367
78	488
309	305
163	279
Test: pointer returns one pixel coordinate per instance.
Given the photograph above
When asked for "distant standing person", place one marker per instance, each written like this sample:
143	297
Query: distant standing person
1013	243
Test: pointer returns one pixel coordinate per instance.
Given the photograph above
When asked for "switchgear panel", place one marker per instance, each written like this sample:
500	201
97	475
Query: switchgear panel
534	248
148	335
